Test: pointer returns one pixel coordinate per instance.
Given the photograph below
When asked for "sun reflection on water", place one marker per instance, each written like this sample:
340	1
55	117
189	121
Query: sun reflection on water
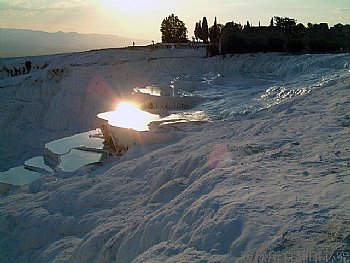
129	115
187	116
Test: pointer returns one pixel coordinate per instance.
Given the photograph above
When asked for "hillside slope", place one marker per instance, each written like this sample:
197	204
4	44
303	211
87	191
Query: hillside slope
25	42
272	182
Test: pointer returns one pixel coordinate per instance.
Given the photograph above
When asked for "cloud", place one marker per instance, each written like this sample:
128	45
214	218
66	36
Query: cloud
40	5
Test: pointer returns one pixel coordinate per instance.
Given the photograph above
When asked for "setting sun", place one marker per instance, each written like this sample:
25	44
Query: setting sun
129	115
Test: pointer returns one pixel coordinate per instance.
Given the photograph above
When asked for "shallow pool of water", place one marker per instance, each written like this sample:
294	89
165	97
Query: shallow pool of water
76	159
18	176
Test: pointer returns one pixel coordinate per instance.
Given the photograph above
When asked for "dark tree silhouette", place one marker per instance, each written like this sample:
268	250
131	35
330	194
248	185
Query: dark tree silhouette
232	27
282	35
28	66
214	37
173	30
285	24
205	30
215	33
198	31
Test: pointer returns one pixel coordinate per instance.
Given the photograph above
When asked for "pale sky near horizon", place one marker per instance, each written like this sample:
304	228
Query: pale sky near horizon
141	19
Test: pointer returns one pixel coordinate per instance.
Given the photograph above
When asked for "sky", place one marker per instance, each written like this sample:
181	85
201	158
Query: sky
141	19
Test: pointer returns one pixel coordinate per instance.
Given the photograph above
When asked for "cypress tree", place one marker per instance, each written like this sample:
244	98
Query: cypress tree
198	31
215	31
205	30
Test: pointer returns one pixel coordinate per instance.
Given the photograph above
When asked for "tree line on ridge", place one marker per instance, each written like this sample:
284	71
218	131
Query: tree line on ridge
283	34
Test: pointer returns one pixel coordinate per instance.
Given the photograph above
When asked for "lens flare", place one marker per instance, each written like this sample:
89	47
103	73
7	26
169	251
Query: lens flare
129	115
220	156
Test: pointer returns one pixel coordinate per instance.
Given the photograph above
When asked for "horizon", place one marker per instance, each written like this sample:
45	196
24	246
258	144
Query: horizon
66	32
142	19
